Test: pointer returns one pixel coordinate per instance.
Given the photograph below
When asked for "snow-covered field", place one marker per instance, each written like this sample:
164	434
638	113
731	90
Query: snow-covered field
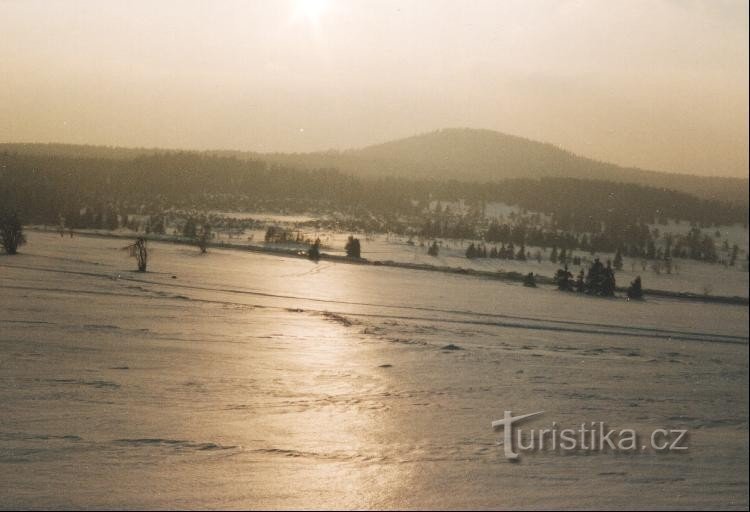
687	276
235	380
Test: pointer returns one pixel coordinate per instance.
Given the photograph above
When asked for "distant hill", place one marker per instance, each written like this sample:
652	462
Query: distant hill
483	155
461	154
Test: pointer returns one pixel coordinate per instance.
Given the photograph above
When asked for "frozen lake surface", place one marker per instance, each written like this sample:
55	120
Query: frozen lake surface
236	380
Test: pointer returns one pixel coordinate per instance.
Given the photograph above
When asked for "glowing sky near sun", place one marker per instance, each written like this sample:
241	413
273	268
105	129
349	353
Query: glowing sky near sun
659	84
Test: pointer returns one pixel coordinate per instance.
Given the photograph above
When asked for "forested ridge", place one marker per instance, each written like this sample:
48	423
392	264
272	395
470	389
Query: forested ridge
465	155
44	186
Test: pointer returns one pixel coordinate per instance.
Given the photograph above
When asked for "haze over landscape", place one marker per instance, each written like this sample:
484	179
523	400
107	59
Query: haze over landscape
657	85
360	254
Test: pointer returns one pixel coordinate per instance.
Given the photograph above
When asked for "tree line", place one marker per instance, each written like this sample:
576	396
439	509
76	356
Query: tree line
589	215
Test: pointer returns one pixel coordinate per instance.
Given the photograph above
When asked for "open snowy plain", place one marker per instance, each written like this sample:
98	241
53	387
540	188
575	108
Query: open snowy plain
236	380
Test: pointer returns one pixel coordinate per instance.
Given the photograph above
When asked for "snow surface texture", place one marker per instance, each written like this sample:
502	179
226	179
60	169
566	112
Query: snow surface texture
230	380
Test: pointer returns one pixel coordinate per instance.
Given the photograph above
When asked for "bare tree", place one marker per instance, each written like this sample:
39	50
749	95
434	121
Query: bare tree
61	226
139	251
203	238
11	232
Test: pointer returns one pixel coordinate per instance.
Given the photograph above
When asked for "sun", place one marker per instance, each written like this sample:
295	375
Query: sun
310	10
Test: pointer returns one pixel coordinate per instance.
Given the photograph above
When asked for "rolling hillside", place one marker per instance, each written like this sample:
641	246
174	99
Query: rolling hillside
457	154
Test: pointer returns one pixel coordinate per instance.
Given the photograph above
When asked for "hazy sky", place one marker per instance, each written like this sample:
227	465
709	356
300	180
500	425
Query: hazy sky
658	84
